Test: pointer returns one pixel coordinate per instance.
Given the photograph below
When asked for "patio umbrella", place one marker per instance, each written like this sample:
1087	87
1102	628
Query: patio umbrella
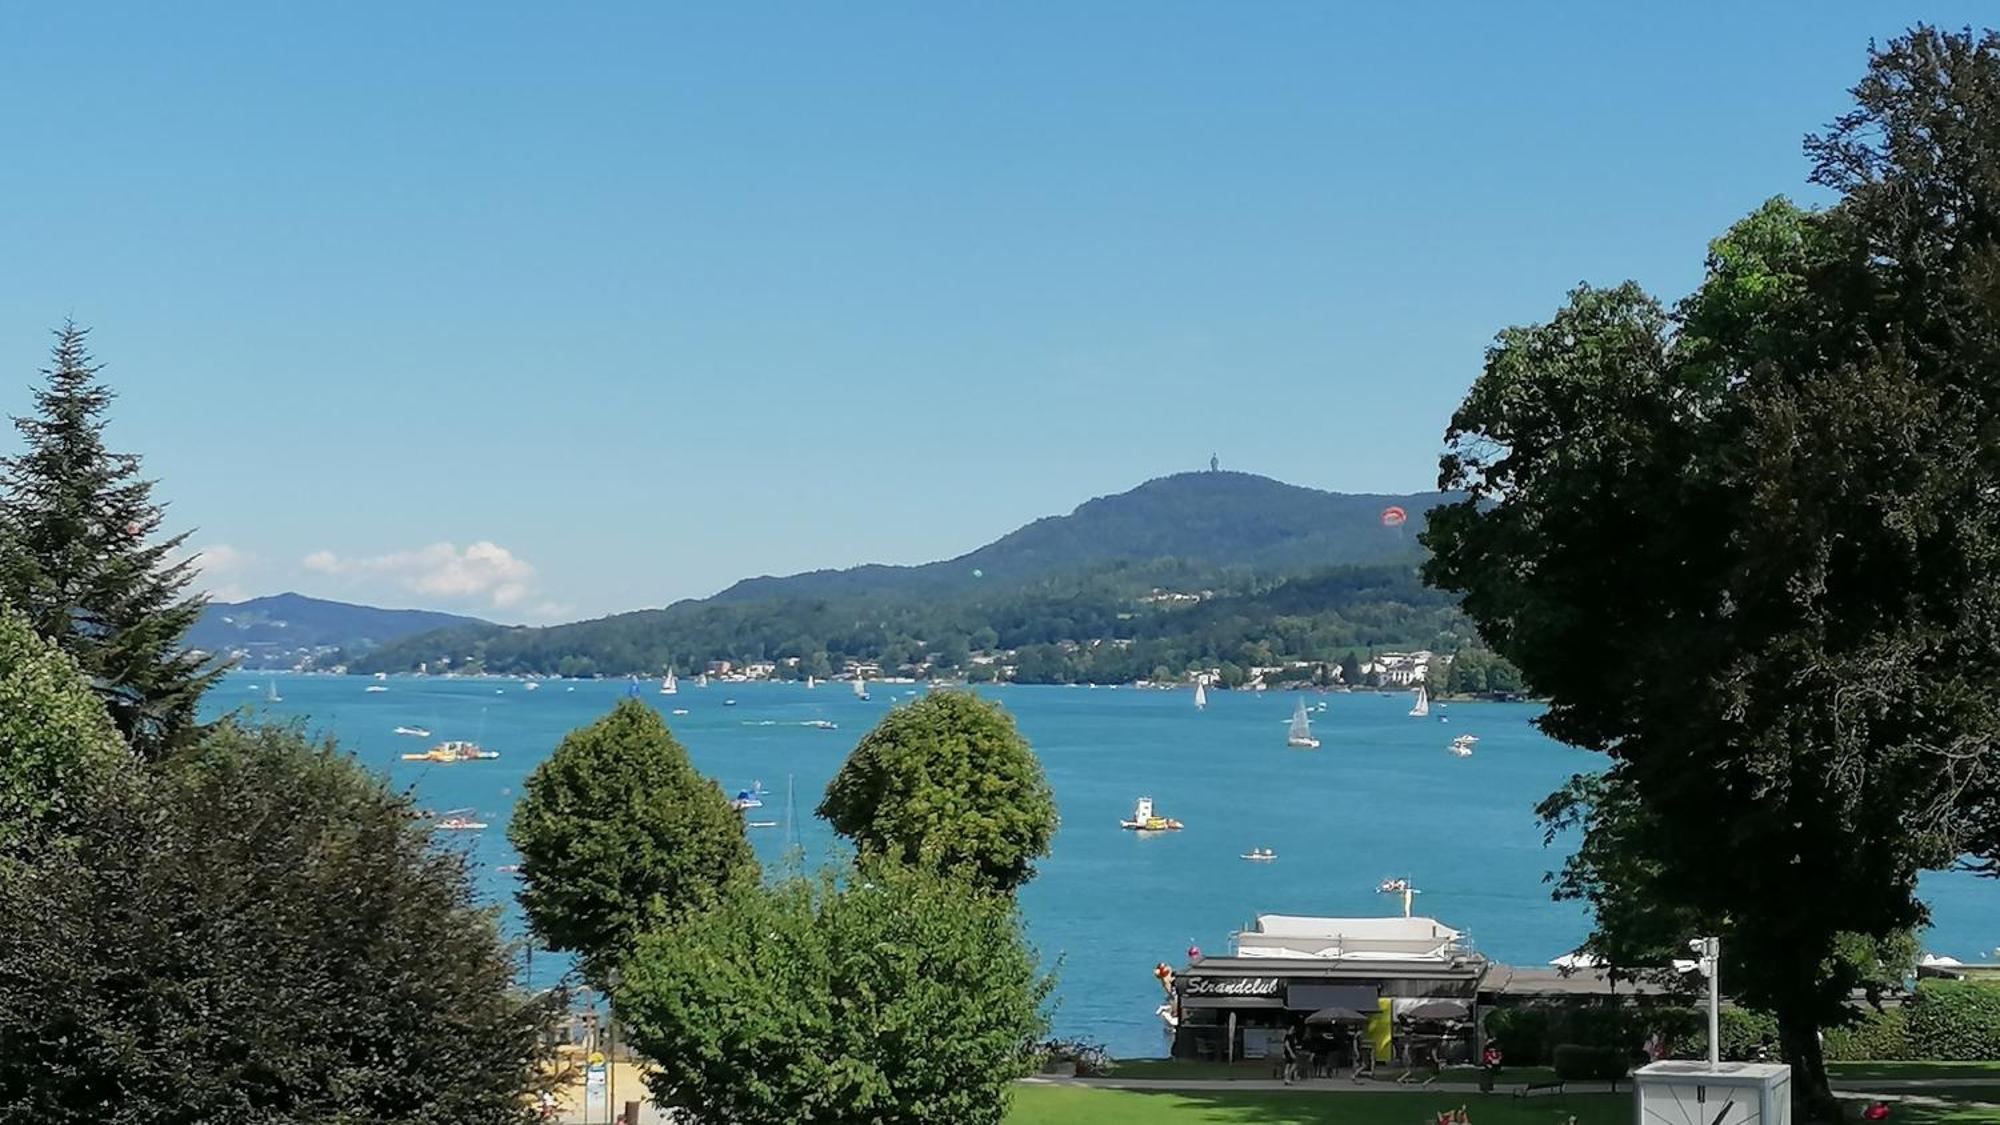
1337	1015
1438	1010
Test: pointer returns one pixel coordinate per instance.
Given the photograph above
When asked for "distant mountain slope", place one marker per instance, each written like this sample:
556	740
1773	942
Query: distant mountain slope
1211	520
294	622
1260	571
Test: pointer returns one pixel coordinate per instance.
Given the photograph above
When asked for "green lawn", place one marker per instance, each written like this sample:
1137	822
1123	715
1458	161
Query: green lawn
1910	1113
1075	1105
1070	1105
1844	1071
1261	1069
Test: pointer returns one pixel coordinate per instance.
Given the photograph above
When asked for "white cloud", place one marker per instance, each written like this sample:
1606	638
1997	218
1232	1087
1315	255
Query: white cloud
483	572
221	571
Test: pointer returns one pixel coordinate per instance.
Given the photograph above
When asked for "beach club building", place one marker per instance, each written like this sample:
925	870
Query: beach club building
1379	973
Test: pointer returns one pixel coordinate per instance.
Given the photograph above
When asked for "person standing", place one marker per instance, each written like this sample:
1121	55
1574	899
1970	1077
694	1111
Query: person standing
1292	1048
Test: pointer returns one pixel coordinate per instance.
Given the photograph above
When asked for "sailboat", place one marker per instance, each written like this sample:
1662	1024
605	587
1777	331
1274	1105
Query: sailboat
860	687
272	695
670	686
1301	734
1200	697
702	680
1422	707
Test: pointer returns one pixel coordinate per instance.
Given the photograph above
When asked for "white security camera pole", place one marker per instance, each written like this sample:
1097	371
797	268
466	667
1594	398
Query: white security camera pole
1710	951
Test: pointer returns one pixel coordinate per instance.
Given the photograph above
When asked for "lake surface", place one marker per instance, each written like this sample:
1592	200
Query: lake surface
1382	798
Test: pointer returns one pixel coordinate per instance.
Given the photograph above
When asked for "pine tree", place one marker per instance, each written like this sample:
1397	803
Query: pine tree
82	562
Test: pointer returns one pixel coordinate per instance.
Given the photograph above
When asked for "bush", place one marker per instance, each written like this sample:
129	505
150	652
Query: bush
1744	1030
258	930
1876	1036
886	994
1529	1034
1576	1062
1955	1021
1523	1033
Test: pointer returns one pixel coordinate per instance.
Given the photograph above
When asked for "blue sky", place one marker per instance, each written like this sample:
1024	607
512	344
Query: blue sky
544	311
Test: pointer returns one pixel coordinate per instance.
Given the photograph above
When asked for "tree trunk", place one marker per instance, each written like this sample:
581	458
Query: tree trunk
1812	1096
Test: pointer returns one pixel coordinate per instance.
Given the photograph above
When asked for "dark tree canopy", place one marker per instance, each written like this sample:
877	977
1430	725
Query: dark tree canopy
1748	549
893	995
258	931
618	833
946	781
79	558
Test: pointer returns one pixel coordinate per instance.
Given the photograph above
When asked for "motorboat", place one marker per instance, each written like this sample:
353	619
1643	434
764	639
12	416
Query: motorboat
372	689
460	823
822	724
413	732
1261	855
1144	819
1461	747
751	798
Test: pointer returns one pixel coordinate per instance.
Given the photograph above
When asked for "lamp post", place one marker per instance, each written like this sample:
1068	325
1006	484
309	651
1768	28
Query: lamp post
1710	951
611	1028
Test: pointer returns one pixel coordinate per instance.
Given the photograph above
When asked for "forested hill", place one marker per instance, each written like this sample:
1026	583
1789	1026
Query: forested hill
1207	521
1103	625
1197	570
282	626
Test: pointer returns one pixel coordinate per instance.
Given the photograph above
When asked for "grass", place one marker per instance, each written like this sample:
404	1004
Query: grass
1957	1113
1253	1069
1849	1071
1071	1105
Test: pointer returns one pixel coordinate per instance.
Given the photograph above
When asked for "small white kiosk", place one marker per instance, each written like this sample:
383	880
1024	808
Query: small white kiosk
1702	1093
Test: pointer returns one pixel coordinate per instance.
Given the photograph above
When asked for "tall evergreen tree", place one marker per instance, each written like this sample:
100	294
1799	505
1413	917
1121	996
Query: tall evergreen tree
84	563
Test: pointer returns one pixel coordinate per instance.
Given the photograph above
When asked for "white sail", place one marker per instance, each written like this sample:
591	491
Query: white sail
1301	732
860	688
1423	704
670	686
702	681
811	683
272	696
1200	697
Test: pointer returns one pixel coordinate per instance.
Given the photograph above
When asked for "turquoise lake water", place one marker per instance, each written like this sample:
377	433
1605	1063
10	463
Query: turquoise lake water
1381	798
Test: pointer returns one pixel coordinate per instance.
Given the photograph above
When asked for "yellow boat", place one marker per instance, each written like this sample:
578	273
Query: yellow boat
445	753
1145	820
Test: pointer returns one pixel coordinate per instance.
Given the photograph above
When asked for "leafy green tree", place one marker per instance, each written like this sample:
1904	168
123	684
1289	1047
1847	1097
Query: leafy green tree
79	558
56	742
946	781
618	833
260	930
1777	501
893	995
1350	670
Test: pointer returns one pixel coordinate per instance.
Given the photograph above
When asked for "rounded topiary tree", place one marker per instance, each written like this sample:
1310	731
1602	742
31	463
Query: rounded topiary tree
258	929
886	994
947	781
619	833
55	736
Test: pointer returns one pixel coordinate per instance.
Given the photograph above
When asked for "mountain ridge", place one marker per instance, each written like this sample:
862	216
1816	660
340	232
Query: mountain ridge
290	623
1275	572
1215	518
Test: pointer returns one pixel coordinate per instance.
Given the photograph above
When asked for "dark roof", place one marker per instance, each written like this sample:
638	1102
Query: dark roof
1506	980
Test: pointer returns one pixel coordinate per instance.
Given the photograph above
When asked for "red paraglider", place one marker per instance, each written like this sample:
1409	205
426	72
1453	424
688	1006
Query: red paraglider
1393	516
